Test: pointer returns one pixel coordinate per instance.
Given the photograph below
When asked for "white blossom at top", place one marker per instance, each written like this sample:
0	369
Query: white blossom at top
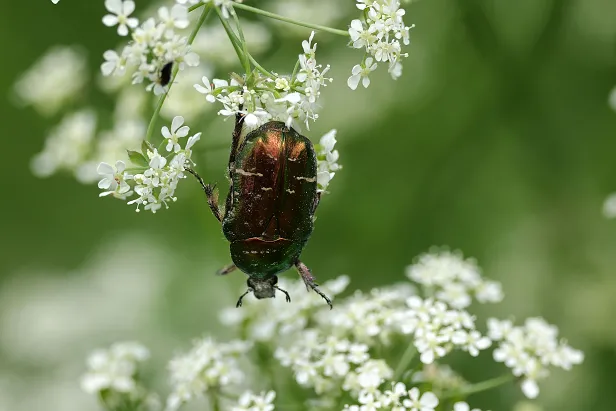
55	1
53	81
154	44
381	34
120	10
530	349
114	369
295	104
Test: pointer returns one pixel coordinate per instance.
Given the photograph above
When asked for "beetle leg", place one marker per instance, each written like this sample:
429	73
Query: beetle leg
226	269
285	293
210	192
239	301
304	272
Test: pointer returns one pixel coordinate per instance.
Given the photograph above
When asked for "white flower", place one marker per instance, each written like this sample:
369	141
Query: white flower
380	35
207	365
120	11
427	401
327	160
609	206
530	350
114	181
251	402
462	406
114	369
361	73
56	79
471	341
206	89
68	144
55	1
176	18
177	131
114	64
361	37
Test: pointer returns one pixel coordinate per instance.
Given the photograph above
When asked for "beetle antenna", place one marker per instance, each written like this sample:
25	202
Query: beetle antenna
285	293
239	301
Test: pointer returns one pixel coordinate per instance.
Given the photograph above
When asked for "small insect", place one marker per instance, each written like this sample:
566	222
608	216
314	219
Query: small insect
165	74
269	211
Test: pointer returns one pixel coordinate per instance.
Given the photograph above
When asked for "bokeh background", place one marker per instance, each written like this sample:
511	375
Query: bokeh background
498	140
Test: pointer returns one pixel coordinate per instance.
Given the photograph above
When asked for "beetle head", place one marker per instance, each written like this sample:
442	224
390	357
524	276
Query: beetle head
263	287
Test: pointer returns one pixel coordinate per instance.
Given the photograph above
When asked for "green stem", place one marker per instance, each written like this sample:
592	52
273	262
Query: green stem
404	362
289	20
243	40
195	7
479	387
237	43
259	67
215	401
161	100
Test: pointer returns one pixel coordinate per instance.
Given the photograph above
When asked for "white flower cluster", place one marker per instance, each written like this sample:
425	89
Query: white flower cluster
114	369
453	280
343	356
438	329
252	402
279	318
327	160
53	81
67	145
530	350
609	206
154	44
379	33
398	398
208	365
158	178
262	98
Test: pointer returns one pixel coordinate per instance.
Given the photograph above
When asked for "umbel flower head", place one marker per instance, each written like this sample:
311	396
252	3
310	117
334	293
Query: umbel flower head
347	358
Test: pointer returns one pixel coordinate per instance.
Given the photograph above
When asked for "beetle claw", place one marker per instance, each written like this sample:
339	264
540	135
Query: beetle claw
288	297
239	301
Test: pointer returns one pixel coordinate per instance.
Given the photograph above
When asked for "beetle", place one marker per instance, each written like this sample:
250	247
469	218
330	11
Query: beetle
164	76
269	212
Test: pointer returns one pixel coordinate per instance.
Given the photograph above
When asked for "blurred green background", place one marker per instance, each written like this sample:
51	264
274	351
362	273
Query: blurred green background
497	140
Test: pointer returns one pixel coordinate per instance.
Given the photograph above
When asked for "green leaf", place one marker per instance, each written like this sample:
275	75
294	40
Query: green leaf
145	147
137	158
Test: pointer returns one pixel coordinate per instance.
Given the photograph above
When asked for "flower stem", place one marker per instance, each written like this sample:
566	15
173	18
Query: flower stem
196	6
480	386
289	20
404	362
161	100
215	401
259	67
235	41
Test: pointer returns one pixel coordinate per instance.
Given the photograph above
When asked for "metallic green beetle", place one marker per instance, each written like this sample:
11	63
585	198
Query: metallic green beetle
269	211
